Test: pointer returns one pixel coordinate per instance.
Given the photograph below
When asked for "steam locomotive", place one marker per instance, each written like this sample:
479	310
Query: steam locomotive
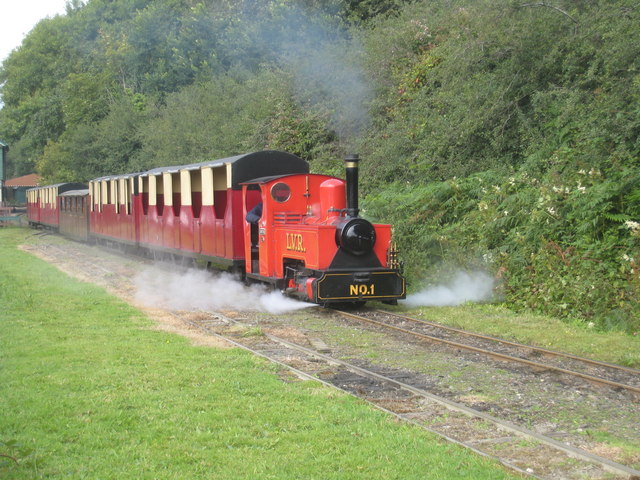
260	214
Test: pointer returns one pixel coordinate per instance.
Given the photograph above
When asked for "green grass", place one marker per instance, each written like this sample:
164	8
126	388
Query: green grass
89	390
541	330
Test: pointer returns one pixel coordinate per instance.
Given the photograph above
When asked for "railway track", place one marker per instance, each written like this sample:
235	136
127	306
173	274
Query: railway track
393	392
541	359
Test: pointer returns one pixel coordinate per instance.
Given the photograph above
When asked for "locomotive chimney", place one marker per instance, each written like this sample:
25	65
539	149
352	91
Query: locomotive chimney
351	167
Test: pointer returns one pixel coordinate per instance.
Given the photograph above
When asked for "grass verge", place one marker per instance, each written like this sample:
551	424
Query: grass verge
89	390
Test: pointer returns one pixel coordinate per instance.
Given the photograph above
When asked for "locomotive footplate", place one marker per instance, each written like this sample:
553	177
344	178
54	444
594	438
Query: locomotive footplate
367	285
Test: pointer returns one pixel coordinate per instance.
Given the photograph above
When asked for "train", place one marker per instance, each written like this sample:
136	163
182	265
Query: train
262	215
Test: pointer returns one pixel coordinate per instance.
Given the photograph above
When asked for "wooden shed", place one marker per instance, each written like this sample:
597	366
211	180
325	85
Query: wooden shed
15	189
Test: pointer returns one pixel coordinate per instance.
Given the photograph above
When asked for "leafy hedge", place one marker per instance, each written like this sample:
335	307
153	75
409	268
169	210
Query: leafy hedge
560	245
511	132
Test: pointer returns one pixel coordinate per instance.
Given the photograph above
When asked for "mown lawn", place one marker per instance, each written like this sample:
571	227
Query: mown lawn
89	390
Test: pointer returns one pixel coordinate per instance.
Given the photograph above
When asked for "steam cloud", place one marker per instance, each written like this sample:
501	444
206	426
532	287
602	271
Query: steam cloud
196	290
465	287
331	75
326	64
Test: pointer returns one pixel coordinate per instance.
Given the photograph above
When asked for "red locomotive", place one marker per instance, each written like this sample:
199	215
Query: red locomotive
261	214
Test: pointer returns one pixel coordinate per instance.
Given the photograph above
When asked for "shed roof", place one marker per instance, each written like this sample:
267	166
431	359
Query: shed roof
31	180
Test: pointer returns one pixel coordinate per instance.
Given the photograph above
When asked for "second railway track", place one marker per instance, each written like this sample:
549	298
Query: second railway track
593	371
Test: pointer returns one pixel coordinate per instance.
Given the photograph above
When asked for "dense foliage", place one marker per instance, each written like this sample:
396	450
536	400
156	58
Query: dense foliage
498	135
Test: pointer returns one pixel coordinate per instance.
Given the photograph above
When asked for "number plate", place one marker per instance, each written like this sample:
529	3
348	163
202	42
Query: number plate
345	286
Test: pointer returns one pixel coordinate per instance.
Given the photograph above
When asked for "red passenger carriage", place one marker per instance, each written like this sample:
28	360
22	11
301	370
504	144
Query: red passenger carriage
74	218
112	214
43	204
190	210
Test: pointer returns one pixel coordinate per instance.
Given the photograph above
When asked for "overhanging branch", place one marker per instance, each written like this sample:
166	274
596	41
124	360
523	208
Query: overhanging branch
553	7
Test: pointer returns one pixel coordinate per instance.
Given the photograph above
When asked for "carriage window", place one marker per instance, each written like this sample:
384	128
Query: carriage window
156	193
96	197
173	191
144	194
221	183
104	194
114	194
122	201
280	192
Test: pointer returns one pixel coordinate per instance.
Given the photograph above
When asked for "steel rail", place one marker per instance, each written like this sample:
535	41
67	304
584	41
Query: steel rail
515	344
62	251
501	356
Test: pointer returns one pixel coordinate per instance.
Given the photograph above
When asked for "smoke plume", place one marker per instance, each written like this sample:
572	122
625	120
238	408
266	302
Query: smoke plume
465	287
196	290
326	64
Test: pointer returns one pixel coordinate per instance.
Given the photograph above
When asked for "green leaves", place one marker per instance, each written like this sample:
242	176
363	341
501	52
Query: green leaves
12	453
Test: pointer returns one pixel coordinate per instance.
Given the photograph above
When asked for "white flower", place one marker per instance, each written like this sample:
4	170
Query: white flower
582	171
633	226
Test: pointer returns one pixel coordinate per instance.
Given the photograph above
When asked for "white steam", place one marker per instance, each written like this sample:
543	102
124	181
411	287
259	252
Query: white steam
201	290
329	74
326	63
465	287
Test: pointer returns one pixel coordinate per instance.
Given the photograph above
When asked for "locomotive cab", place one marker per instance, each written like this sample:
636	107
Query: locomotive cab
289	227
